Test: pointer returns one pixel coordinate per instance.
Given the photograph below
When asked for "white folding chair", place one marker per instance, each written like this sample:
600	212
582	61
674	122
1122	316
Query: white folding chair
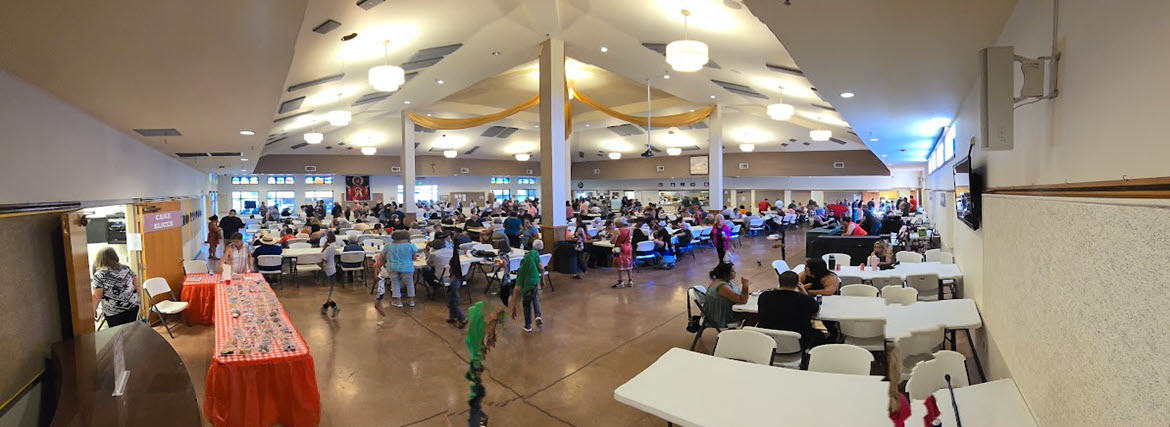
755	225
939	256
908	257
839	258
644	251
499	276
544	274
735	234
483	247
780	266
362	238
859	290
840	359
918	347
354	257
788	352
303	236
899	295
299	245
304	240
372	243
197	266
926	284
849	280
467	246
930	376
746	346
869	334
883	282
308	263
270	265
157	286
705	237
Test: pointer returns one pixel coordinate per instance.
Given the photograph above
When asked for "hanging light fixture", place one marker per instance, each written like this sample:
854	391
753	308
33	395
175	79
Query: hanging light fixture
339	117
523	157
615	155
820	135
386	77
781	111
747	148
686	55
673	151
369	151
314	137
450	154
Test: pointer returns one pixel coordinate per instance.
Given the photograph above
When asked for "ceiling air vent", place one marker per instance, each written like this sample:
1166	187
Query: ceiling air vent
276	140
312	83
824	107
498	132
842	142
419	128
281	119
423	63
327	26
328	148
434	52
472	150
371	97
581	154
739	89
368	4
190	155
699	125
226	154
303	144
158	132
806	143
310	168
783	69
838	165
290	105
626	130
783	144
661	49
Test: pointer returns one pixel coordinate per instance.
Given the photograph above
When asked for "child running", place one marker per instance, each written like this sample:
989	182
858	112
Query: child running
329	266
527	277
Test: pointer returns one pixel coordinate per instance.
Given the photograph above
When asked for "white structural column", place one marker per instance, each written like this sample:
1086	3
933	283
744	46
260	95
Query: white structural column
734	201
573	140
554	157
715	159
787	198
408	177
752	199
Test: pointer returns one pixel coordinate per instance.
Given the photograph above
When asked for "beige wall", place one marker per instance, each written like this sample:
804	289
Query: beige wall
807	163
380	165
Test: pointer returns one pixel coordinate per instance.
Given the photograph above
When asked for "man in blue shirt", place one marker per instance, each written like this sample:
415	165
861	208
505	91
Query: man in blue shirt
512	229
351	245
267	246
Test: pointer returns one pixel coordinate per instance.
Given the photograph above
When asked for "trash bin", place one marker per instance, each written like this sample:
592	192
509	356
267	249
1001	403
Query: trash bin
565	257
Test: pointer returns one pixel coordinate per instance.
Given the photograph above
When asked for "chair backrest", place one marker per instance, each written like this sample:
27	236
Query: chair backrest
840	359
930	376
269	261
645	246
373	243
921	341
196	266
748	346
735	229
899	295
840	258
299	245
297	240
926	284
935	255
418	241
156	286
365	237
592	232
706	232
346	231
467	246
787	342
352	257
908	256
849	280
863	328
308	259
697	295
302	236
514	263
483	247
756	223
351	232
780	266
882	282
859	290
544	260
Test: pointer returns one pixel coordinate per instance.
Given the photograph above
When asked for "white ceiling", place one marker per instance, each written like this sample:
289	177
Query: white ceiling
909	62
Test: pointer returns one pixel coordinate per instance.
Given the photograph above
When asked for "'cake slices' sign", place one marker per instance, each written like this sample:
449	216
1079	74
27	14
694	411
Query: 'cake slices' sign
156	221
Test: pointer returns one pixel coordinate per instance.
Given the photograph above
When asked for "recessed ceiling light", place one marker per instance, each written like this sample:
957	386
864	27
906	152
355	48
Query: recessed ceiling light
883	155
666	76
243	160
604	49
439	81
428	114
587	125
846	95
247	133
496	53
692	110
873	140
536	125
712	96
406	102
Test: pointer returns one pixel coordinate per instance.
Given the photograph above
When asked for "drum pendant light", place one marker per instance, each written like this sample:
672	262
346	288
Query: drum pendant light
686	55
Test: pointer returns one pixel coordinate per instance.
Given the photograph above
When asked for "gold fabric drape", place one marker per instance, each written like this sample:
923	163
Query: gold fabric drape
470	122
661	121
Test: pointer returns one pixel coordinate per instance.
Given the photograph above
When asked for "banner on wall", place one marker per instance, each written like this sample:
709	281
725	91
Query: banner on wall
357	188
157	221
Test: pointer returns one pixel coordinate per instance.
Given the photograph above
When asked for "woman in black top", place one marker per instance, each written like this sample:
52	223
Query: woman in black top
817	279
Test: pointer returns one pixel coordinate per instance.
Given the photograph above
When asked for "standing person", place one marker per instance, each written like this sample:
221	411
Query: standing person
526	279
231	224
455	275
624	260
236	255
721	237
116	287
396	262
913	204
329	266
337	210
581	239
512	227
214	235
530	233
263	211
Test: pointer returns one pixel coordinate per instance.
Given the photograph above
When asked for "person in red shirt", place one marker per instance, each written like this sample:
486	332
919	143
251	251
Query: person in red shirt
838	209
850	228
913	204
764	205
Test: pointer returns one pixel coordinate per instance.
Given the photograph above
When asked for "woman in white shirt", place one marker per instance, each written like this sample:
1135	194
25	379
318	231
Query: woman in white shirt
237	256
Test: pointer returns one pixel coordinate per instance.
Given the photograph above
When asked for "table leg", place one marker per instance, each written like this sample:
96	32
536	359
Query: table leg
978	364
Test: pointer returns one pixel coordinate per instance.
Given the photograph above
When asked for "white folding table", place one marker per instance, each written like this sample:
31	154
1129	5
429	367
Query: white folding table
991	404
695	389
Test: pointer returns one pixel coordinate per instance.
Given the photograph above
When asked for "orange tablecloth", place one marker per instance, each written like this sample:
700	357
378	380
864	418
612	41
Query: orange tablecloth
259	389
199	293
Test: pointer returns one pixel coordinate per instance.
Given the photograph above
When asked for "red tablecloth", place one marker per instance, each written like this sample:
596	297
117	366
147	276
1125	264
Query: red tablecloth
199	293
258	389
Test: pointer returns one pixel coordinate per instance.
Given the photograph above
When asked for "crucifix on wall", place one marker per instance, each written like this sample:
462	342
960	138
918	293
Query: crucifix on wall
433	168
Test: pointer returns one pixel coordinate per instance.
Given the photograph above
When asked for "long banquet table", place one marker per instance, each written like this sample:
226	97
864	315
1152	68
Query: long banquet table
261	372
199	294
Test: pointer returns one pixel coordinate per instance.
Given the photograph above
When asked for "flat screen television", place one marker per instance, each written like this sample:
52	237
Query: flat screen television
968	193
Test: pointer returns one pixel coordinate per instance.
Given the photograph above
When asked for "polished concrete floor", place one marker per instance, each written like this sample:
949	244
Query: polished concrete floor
410	371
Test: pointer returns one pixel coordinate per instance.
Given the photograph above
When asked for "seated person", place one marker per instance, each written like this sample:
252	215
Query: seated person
662	239
884	254
289	234
850	228
351	245
361	225
268	246
458	237
818	219
722	294
473	222
790	308
817	279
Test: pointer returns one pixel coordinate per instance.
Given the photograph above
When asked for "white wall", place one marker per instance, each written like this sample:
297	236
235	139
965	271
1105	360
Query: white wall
55	152
1070	347
900	178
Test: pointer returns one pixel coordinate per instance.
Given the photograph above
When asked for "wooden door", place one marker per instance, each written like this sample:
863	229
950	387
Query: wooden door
162	249
81	308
